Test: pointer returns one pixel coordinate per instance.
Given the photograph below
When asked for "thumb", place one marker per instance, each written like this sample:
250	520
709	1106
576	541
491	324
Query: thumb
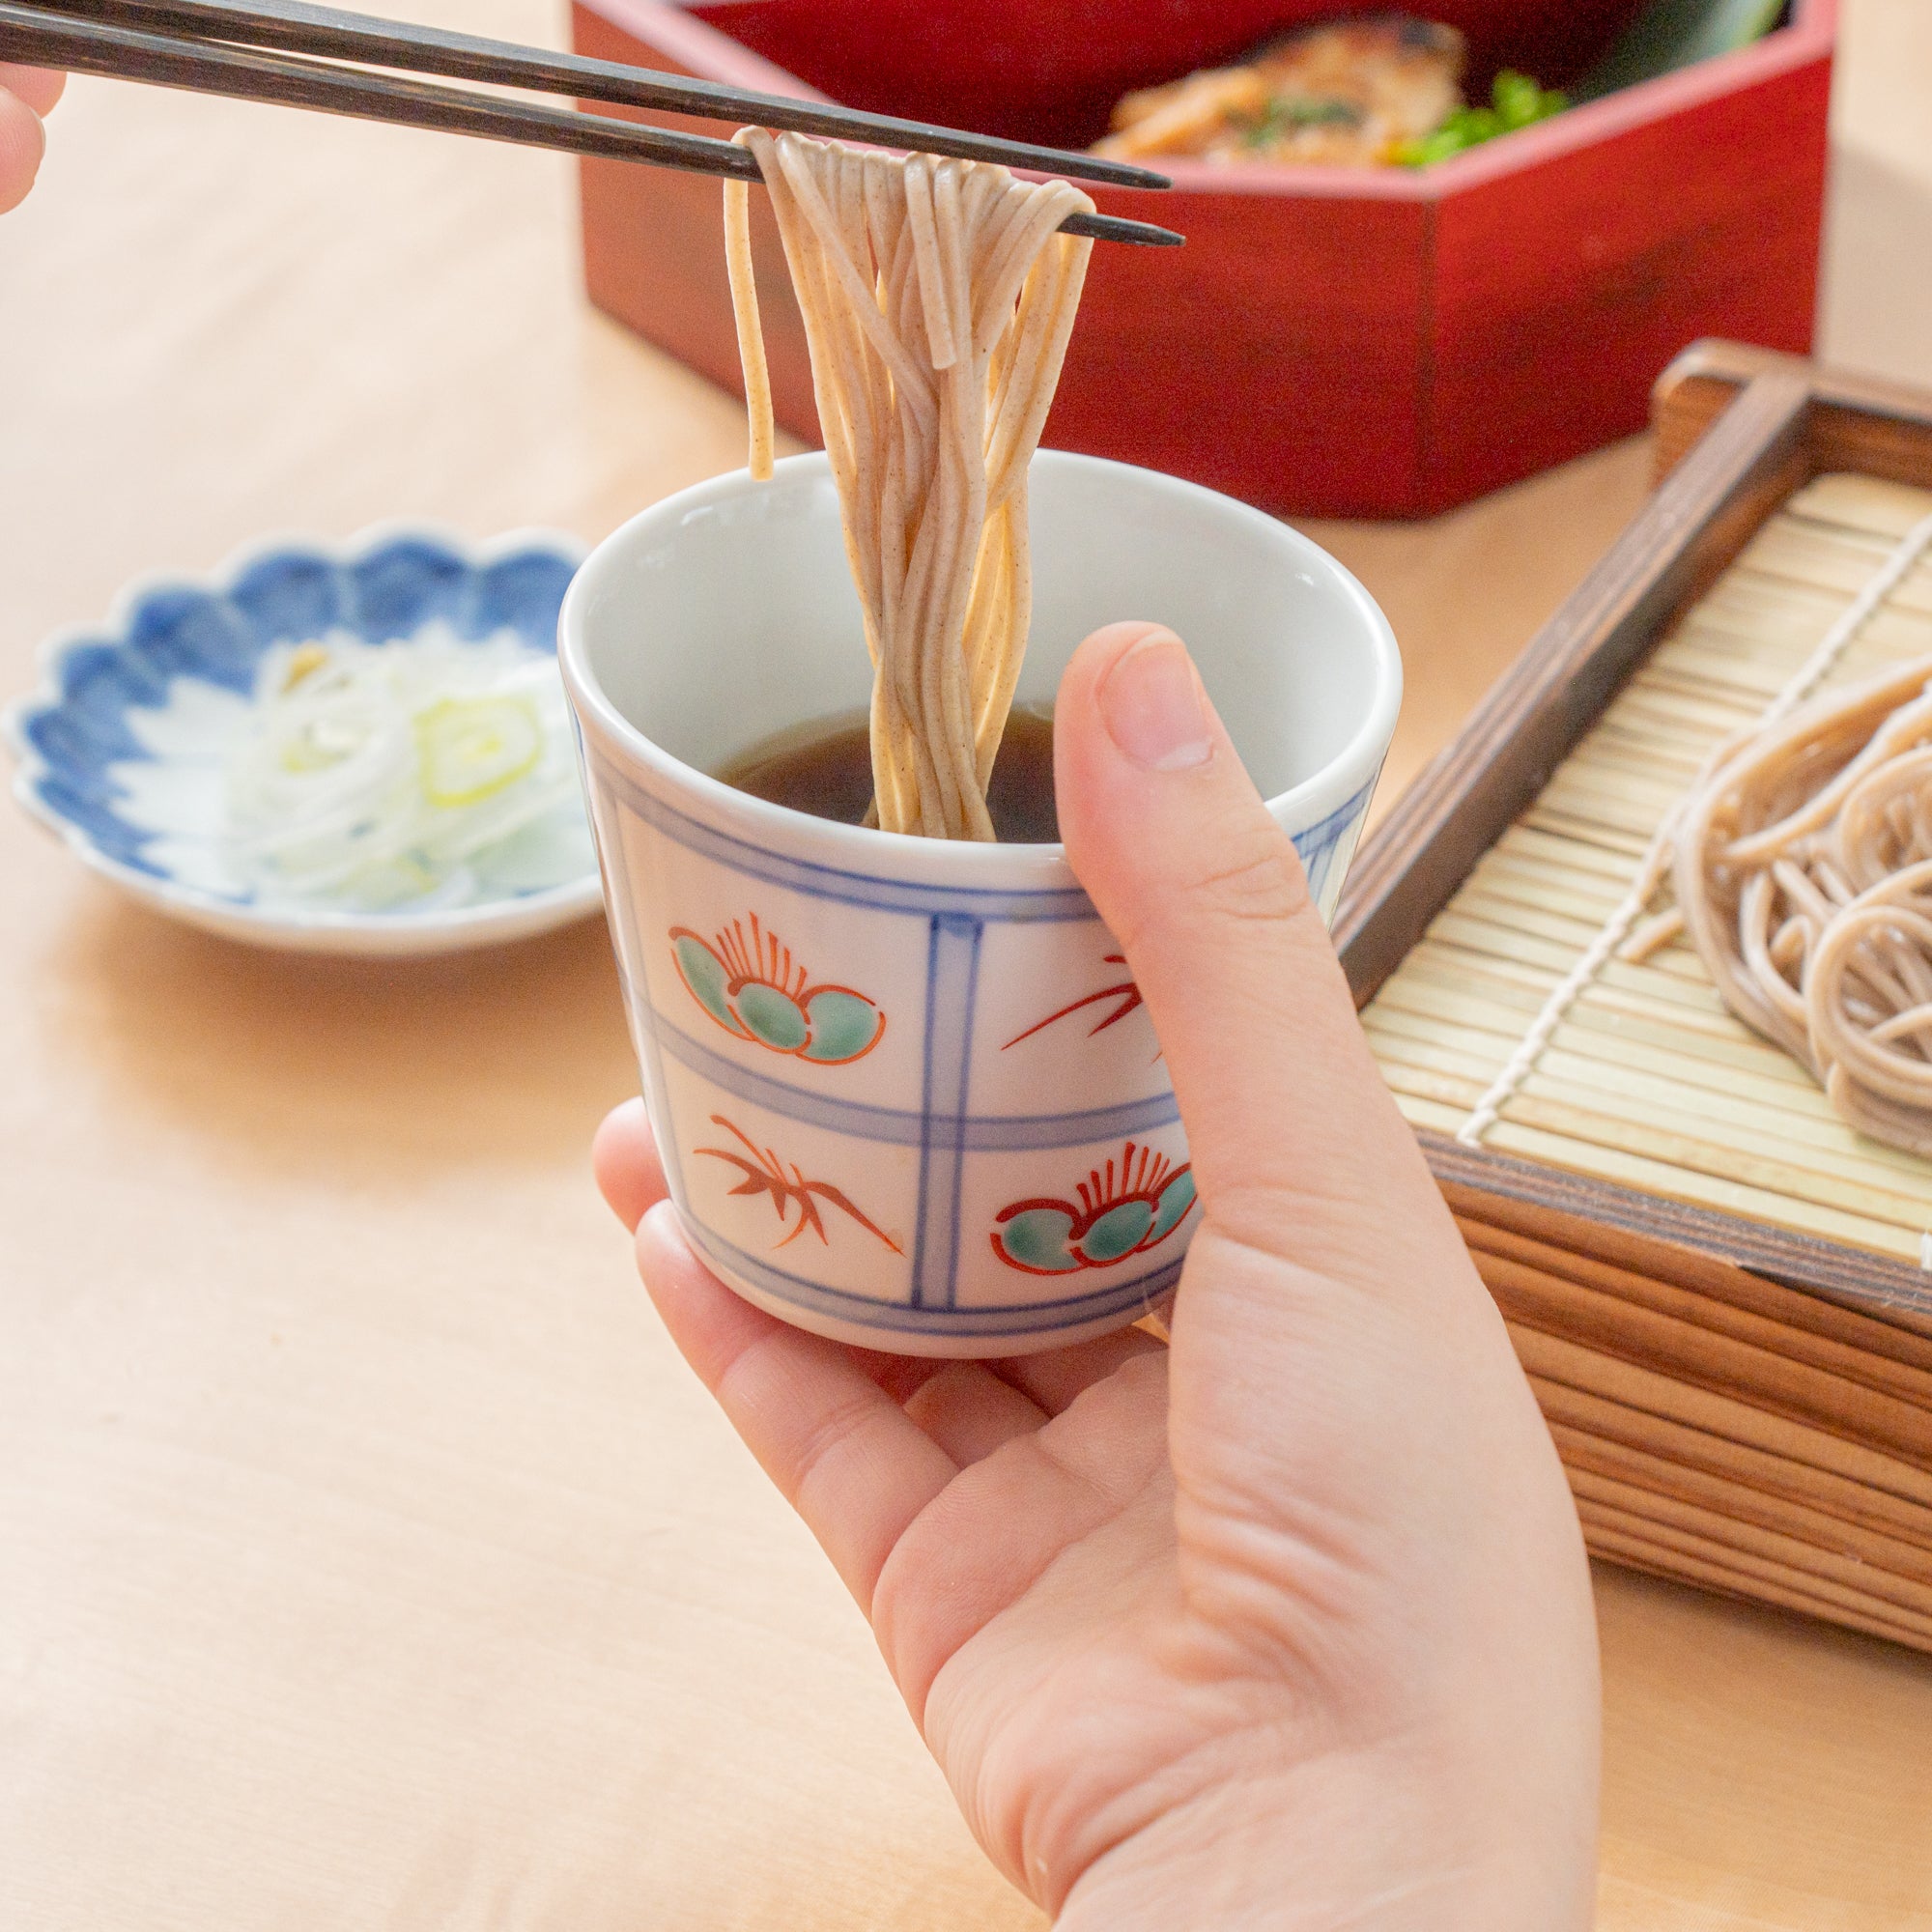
1297	1147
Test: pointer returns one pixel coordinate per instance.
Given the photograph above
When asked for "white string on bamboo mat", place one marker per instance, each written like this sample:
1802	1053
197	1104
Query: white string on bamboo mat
1812	672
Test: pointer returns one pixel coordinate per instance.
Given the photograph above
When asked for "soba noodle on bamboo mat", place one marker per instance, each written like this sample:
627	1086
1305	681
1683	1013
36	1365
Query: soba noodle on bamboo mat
1645	1077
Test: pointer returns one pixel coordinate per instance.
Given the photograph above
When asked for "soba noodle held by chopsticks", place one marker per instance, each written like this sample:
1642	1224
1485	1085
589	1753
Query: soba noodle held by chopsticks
938	299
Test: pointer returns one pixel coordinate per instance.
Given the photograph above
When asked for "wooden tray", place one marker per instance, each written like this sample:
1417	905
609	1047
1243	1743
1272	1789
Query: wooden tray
1332	341
1740	1403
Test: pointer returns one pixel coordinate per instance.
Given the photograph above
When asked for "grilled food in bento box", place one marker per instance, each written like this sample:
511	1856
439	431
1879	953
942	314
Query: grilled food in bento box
1349	96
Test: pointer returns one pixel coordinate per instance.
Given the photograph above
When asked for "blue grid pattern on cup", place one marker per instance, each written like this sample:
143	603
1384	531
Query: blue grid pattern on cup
1022	1318
909	1127
840	884
943	1128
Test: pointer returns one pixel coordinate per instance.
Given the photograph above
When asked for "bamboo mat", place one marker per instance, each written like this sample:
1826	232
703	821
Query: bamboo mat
1648	1081
1716	1428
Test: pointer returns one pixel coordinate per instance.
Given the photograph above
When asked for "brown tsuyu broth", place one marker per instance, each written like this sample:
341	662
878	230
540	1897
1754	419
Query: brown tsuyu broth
825	769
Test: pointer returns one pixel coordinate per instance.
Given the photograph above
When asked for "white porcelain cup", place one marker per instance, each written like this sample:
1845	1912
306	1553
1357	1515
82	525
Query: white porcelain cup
904	1088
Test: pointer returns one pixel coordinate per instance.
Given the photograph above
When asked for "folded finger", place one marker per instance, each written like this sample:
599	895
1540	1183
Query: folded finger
37	87
23	143
855	1468
1054	1378
624	1157
1010	1517
968	1411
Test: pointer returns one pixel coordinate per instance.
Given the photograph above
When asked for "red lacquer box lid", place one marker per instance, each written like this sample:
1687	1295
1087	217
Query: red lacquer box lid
1346	341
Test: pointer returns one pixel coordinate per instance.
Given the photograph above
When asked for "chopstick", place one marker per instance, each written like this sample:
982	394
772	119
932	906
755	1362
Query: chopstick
49	37
299	27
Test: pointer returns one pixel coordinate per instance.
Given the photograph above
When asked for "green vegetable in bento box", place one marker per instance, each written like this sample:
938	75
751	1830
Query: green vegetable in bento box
1516	103
1669	34
1519	101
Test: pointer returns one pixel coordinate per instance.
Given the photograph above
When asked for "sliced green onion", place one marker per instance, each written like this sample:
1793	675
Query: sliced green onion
430	772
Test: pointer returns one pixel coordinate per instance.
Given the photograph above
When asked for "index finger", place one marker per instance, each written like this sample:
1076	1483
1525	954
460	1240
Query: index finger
630	1171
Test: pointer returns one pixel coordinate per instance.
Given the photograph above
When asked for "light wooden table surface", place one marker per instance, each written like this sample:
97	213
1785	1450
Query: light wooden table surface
368	1559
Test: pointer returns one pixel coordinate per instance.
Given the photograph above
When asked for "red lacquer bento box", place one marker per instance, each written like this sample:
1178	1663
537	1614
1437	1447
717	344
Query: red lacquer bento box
1371	342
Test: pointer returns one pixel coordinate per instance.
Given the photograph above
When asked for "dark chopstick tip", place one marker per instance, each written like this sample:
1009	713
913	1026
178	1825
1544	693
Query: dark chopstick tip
1116	228
1124	174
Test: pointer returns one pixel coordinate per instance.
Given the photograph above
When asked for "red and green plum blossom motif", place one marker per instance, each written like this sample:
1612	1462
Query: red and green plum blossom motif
752	988
1122	1210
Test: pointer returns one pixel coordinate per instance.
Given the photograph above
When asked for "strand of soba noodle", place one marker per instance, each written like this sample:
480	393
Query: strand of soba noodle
749	326
938	300
1658	860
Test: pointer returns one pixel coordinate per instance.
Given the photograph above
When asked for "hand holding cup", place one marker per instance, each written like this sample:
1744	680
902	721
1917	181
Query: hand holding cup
1287	1624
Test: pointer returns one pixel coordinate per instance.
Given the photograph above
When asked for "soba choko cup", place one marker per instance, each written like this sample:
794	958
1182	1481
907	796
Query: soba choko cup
904	1089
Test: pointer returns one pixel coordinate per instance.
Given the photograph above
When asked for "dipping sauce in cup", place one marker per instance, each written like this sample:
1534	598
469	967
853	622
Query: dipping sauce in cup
904	1089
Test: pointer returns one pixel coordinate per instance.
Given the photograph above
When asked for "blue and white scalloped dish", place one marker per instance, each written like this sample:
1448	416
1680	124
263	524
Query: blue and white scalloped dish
128	746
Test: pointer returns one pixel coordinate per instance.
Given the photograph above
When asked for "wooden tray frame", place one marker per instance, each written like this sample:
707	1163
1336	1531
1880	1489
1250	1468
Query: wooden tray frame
1739	430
